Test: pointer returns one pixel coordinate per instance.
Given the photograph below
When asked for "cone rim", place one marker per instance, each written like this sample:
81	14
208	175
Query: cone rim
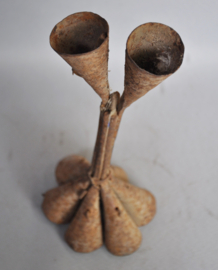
79	54
143	70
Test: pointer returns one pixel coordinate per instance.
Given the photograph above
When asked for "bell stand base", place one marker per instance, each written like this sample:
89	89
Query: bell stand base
111	207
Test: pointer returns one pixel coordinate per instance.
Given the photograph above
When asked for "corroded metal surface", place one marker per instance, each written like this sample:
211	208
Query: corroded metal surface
100	145
122	237
153	52
72	168
100	155
81	39
85	231
60	203
76	168
112	134
138	202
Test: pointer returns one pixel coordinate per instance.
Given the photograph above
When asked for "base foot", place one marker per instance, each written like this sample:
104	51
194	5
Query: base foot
114	202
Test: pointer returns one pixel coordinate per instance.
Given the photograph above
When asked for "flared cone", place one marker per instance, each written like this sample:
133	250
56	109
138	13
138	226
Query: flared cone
72	168
138	202
85	231
122	237
154	51
81	39
60	203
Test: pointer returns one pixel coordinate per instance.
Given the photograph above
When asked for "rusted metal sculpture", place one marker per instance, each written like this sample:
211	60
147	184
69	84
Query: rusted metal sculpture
97	198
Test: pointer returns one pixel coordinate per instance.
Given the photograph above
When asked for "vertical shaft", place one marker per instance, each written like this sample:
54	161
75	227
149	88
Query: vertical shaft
100	145
107	114
112	134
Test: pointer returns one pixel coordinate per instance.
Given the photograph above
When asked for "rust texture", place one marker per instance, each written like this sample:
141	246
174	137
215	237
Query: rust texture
100	145
138	202
153	52
67	167
97	199
107	116
85	231
122	237
60	203
72	168
114	126
82	39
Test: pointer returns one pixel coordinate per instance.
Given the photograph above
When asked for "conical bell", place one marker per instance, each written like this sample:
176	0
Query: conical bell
81	39
72	168
122	236
85	231
138	202
60	203
154	51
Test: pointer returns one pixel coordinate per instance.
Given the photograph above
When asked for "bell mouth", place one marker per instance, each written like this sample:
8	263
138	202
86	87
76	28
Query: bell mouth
79	33
156	48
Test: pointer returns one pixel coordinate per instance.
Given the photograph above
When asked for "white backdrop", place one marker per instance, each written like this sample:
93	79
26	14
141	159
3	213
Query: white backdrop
167	141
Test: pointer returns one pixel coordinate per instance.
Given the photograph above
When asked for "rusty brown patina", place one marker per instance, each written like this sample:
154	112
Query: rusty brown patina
81	39
97	198
154	51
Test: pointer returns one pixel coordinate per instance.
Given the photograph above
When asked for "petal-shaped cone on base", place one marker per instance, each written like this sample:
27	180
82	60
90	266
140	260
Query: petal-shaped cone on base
60	203
118	172
81	39
85	231
71	168
122	236
139	203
